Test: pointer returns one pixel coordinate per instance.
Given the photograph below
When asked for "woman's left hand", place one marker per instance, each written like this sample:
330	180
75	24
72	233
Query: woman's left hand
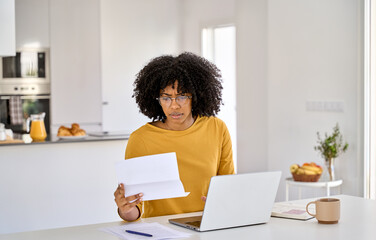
203	198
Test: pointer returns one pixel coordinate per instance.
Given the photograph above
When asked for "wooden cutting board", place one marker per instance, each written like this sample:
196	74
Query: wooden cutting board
11	141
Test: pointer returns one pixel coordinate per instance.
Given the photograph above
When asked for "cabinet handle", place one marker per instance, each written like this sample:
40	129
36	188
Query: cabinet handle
26	97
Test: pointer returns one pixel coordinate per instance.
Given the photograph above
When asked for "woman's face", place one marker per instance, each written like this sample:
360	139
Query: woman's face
177	107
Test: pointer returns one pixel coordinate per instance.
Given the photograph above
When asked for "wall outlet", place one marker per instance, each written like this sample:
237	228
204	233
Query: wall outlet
325	106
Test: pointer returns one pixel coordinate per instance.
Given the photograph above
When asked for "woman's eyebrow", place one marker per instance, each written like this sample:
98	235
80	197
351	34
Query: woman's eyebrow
178	94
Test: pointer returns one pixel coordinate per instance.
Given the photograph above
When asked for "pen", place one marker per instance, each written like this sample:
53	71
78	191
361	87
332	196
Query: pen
139	233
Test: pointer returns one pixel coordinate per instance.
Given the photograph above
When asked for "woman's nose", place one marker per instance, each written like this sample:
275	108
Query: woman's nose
174	103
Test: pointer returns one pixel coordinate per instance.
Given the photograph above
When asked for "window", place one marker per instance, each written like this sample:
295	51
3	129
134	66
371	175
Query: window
369	99
219	46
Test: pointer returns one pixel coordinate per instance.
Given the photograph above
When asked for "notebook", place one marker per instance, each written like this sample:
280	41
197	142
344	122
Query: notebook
234	201
292	211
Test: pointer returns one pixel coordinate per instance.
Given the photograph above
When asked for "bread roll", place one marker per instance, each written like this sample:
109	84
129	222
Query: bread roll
63	131
79	132
75	126
75	130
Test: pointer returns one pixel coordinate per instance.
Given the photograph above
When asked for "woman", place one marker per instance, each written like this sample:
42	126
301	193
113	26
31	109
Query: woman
181	95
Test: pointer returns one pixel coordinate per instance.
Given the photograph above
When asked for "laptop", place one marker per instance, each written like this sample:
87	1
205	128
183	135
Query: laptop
234	201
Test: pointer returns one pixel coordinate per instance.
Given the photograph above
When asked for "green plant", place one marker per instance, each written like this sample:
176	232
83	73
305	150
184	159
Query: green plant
331	146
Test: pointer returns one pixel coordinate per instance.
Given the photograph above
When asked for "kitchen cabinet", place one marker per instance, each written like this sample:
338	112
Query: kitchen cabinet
58	184
32	23
7	28
128	41
75	63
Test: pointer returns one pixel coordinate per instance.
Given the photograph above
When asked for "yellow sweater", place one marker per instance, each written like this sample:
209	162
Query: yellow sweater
203	150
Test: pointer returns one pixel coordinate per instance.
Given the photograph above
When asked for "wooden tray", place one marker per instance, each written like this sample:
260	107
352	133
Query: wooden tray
8	141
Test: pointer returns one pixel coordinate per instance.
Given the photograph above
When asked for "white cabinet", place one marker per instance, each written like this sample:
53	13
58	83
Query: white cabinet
75	63
7	28
128	42
32	23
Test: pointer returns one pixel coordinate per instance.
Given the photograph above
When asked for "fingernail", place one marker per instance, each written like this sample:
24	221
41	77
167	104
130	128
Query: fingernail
141	194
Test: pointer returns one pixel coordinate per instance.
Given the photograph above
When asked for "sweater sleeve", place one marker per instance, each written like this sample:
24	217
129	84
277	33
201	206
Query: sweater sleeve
226	165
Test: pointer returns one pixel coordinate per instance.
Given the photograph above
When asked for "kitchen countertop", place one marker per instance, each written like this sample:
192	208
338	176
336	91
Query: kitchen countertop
53	139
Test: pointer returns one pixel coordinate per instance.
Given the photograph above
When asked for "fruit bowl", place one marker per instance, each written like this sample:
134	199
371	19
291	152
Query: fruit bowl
308	172
306	178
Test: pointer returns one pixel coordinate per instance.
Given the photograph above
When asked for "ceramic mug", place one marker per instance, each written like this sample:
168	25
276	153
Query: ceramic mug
327	210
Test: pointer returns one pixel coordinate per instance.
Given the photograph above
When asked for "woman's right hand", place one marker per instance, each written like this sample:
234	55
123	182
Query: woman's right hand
127	205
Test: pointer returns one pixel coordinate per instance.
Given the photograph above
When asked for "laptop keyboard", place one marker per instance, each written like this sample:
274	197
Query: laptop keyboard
194	223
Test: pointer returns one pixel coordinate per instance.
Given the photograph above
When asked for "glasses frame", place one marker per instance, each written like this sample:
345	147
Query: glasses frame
186	97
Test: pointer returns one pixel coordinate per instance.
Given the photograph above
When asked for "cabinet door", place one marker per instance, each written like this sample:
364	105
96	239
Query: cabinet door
128	41
7	28
32	23
75	62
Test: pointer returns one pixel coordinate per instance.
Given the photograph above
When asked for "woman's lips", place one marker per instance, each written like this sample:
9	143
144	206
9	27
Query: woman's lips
176	115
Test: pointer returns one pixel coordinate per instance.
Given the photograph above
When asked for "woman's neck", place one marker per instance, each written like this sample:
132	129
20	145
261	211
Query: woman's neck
168	125
179	126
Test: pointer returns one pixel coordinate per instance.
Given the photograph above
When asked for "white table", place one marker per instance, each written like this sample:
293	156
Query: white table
320	184
357	221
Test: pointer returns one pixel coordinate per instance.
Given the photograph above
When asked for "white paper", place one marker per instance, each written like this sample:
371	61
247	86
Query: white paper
156	176
157	230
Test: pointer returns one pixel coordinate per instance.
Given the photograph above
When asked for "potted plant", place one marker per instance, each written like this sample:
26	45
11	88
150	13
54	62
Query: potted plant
330	148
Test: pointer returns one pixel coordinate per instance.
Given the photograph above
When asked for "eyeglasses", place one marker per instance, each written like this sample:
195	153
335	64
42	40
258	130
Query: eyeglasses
167	101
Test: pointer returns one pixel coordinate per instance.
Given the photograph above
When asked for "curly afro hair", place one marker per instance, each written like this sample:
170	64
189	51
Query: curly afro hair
194	74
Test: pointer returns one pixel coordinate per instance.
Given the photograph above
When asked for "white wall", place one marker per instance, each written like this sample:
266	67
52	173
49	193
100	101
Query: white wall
314	53
132	32
58	185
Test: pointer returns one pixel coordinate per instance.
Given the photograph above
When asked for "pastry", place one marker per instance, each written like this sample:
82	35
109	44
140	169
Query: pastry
75	130
63	131
79	132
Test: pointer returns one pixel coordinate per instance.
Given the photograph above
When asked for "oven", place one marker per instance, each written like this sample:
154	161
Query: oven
27	105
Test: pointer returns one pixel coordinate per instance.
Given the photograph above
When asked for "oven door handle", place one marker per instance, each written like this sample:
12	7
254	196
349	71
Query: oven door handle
26	97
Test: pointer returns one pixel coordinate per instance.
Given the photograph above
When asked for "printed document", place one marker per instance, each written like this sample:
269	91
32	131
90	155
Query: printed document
156	176
157	230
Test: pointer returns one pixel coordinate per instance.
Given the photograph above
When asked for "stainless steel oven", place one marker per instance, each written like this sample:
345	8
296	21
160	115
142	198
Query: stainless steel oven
24	87
29	104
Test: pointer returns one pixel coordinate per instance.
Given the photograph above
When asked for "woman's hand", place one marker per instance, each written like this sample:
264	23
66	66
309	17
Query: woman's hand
127	205
203	198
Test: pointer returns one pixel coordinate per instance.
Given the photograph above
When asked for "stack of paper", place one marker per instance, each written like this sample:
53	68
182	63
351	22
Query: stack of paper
157	230
156	176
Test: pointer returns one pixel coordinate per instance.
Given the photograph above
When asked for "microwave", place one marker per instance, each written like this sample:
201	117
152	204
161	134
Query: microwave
27	72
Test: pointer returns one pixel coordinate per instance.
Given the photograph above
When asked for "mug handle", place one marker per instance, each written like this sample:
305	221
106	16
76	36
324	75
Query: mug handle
314	215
